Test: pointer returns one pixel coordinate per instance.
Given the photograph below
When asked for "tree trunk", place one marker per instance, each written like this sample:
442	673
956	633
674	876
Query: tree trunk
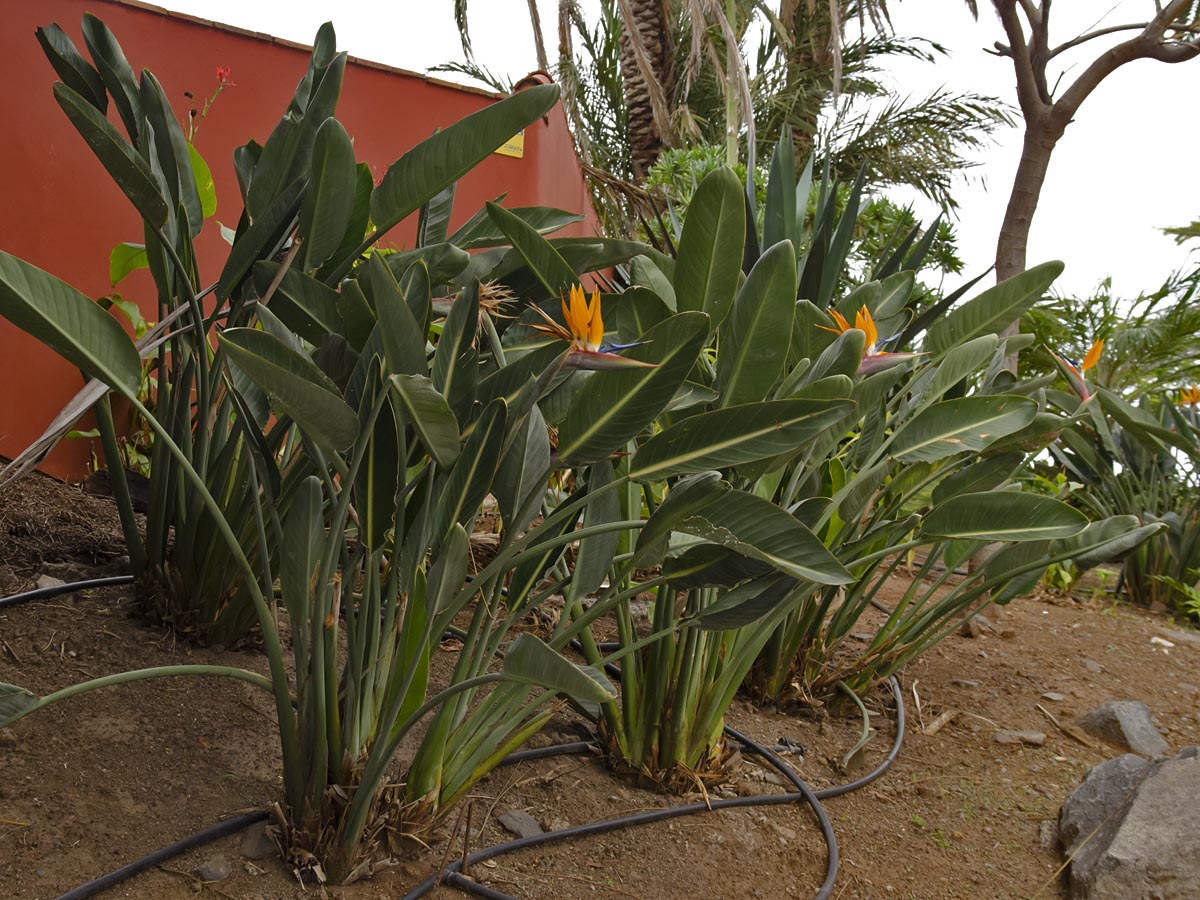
649	26
1011	247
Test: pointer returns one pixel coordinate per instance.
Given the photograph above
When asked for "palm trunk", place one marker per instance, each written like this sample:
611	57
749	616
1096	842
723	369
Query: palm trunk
646	23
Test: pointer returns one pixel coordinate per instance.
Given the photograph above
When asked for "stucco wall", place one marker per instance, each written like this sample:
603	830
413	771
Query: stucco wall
61	211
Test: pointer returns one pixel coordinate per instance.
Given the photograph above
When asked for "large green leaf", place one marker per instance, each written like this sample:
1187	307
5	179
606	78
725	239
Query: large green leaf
300	551
1003	516
480	231
761	530
530	661
71	67
329	202
755	337
430	415
709	261
615	406
1106	540
993	310
304	304
202	175
68	323
955	426
471	478
131	173
125	258
115	72
543	260
403	340
296	385
256	242
454	369
15	702
171	150
734	436
780	212
440	160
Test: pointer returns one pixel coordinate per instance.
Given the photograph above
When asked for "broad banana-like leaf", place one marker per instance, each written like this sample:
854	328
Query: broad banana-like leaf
956	426
746	603
595	554
403	340
115	72
471	478
255	242
543	260
454	369
16	702
993	310
171	149
841	357
429	413
756	335
709	260
356	227
123	259
703	565
329	202
530	661
965	359
433	220
71	67
440	160
1003	516
614	407
69	323
645	273
302	303
300	554
480	232
131	173
780	212
296	385
985	475
734	436
523	469
1106	540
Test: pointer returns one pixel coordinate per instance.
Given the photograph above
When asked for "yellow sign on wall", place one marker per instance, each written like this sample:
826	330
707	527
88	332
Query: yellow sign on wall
514	146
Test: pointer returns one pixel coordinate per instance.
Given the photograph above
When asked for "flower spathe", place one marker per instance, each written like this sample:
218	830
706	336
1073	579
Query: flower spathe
873	359
584	331
1075	371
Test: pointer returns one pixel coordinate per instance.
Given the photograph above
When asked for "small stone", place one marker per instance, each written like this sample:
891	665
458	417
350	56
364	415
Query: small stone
1007	736
862	636
257	843
1126	724
964	683
215	869
520	823
1048	833
1007	634
1182	637
976	626
48	581
1091	665
1189	688
784	832
558	824
8	737
1054	696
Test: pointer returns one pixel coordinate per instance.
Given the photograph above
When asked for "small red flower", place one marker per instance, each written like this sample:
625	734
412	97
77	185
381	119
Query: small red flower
223	76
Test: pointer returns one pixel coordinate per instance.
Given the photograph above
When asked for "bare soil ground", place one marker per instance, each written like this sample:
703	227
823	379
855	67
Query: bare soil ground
100	780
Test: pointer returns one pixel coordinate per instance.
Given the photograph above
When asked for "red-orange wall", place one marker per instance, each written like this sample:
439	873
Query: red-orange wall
60	211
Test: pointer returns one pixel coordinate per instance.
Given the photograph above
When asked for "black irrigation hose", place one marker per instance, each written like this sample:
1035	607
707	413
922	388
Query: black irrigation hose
212	833
452	875
57	590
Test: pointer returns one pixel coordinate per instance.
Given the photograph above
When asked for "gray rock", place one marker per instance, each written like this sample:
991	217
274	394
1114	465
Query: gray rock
1048	834
1132	829
1091	665
520	823
8	737
1126	724
1182	637
257	843
964	683
975	626
48	581
215	869
1006	736
1054	696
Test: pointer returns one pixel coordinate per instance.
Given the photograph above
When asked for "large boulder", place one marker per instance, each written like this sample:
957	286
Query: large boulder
1132	829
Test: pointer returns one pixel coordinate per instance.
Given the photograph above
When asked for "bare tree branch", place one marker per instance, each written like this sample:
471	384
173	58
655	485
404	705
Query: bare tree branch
1092	35
1028	96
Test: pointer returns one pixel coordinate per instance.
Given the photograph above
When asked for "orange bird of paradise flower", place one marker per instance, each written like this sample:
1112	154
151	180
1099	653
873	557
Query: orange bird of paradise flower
873	359
1190	395
584	331
1075	371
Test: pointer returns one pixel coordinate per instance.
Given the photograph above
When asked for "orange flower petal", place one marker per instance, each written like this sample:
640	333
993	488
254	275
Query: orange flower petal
1093	355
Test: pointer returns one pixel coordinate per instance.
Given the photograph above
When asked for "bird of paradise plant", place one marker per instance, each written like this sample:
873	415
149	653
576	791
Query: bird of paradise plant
1076	372
584	331
1190	396
873	359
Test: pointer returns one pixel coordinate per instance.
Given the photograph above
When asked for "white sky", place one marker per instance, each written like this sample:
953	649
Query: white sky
1124	169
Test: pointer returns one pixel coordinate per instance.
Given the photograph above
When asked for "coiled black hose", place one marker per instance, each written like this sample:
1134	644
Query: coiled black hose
59	589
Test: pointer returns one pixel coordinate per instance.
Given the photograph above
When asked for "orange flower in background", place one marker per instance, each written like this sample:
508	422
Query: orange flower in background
1190	395
873	359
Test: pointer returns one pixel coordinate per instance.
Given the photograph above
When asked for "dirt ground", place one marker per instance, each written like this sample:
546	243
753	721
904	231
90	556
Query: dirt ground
100	780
